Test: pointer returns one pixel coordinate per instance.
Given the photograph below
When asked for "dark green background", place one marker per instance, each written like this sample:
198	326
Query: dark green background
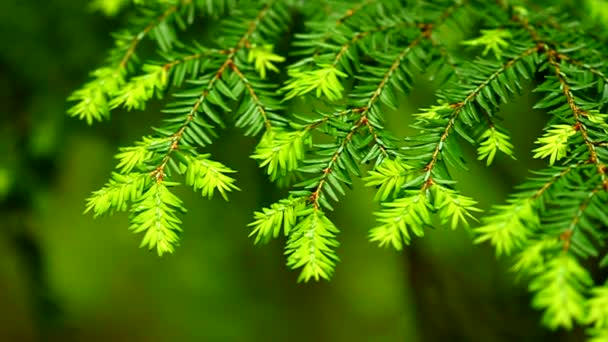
67	277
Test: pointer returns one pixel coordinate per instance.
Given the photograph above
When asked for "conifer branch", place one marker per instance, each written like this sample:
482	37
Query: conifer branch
555	179
566	236
363	118
159	172
362	35
253	94
459	106
140	36
316	194
350	12
591	69
578	113
553	56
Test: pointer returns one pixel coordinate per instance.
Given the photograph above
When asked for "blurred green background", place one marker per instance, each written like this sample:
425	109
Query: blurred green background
67	277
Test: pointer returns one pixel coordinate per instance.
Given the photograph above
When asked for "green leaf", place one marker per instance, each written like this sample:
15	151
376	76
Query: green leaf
135	93
453	207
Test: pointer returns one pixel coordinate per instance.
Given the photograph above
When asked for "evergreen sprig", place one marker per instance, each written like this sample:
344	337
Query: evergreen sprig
352	61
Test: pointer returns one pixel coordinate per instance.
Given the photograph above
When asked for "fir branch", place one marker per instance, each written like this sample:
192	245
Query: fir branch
159	172
552	56
315	196
577	113
252	92
553	180
459	107
363	119
597	72
349	13
362	35
566	236
143	33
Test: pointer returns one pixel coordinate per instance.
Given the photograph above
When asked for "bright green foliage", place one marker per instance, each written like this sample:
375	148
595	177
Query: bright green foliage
597	10
389	177
432	113
599	119
208	176
352	62
109	7
324	81
217	77
311	246
531	260
509	227
133	157
554	143
281	216
155	215
598	313
398	218
281	152
454	207
135	93
262	57
598	307
559	291
117	193
493	141
495	40
92	98
598	335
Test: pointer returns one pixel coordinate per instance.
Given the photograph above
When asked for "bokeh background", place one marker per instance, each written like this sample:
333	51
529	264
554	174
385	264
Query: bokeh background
67	277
